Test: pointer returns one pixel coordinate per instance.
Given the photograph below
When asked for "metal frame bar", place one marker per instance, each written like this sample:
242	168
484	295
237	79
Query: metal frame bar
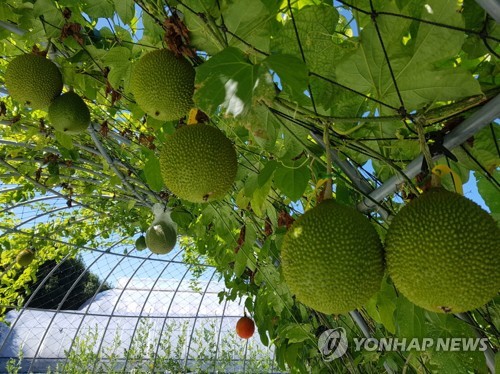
144	306
86	312
492	7
167	315
196	320
485	115
352	173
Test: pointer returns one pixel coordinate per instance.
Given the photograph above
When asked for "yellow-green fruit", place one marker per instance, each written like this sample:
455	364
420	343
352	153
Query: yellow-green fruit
25	257
198	163
443	252
33	80
68	113
163	85
140	243
332	258
161	237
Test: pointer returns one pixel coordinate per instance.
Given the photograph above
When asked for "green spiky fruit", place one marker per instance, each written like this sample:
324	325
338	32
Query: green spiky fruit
198	163
443	252
140	243
332	258
25	257
68	113
161	237
33	80
163	85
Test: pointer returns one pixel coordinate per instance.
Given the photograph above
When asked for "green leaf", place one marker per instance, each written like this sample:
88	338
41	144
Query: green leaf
409	319
250	21
415	64
118	61
489	192
152	173
99	8
383	305
181	217
297	332
292	71
259	197
292	181
241	260
226	79
315	27
51	14
448	326
125	10
152	31
262	126
267	172
204	35
65	140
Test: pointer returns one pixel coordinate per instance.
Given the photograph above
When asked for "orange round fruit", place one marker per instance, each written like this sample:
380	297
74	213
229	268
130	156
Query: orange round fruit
245	327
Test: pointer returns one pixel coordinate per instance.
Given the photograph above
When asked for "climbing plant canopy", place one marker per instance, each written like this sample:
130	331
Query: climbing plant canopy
385	79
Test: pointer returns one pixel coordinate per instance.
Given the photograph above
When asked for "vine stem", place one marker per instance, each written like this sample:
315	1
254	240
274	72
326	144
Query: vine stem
424	147
326	140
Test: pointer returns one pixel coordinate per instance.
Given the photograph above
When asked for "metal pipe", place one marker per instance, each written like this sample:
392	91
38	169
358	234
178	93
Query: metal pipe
12	28
360	321
485	115
492	7
352	173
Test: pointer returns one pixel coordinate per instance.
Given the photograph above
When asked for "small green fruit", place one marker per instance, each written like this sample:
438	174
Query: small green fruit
161	237
68	113
25	257
140	243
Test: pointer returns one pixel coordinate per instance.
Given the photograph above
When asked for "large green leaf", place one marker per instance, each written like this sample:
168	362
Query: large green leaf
249	22
297	332
99	8
315	29
448	326
51	14
414	51
125	10
409	319
151	172
118	60
292	181
291	70
203	33
226	79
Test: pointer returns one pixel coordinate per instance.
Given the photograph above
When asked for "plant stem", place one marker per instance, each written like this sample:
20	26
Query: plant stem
326	140
424	147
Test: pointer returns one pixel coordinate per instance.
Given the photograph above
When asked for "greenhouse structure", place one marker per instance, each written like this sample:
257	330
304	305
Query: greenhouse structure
250	186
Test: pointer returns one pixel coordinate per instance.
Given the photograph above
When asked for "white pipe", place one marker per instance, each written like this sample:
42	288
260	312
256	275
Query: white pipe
484	116
492	7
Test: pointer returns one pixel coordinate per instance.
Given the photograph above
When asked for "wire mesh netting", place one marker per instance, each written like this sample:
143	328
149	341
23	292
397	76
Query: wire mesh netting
382	90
